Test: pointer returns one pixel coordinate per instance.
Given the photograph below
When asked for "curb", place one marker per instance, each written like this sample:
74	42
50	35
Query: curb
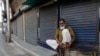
25	48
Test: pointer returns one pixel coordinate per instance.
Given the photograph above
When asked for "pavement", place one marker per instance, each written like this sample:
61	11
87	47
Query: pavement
33	49
40	51
11	49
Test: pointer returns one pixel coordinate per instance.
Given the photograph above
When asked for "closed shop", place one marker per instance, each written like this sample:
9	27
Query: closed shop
14	27
48	23
31	26
83	18
20	27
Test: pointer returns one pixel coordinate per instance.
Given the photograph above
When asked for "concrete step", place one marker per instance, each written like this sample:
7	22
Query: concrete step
36	50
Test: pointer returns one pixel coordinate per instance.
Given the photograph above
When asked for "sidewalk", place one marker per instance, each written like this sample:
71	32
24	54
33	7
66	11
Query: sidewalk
35	50
11	49
40	51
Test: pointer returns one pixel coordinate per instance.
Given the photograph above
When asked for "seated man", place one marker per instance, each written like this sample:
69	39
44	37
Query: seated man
64	37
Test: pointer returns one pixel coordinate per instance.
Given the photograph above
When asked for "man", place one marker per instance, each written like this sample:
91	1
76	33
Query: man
59	36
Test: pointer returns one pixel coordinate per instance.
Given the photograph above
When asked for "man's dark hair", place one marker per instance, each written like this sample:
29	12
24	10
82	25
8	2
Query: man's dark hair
62	20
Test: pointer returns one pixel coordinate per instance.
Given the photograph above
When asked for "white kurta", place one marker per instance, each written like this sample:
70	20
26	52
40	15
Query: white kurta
66	36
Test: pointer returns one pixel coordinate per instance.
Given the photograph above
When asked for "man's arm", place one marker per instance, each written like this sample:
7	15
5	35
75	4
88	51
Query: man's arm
72	34
56	37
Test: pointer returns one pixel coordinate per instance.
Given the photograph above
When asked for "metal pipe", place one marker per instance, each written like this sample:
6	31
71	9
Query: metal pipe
24	27
8	22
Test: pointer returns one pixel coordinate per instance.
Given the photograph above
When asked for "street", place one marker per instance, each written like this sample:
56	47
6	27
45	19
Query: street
10	49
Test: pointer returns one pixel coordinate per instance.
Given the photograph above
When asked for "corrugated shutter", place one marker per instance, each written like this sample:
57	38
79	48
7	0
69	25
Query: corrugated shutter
48	22
12	24
19	27
31	26
14	28
83	19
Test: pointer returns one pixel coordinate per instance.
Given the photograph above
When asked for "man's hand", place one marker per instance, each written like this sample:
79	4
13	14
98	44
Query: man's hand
60	44
63	45
67	45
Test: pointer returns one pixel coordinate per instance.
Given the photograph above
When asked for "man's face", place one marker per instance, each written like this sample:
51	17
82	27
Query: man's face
61	23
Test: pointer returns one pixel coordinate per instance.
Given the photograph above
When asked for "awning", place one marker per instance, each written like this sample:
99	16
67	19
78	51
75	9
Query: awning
28	4
34	2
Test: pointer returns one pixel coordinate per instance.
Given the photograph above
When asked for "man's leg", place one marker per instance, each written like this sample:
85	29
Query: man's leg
60	51
66	36
64	52
67	52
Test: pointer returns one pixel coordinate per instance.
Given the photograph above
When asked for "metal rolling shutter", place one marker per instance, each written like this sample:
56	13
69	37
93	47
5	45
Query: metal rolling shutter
48	22
14	27
19	27
83	19
31	26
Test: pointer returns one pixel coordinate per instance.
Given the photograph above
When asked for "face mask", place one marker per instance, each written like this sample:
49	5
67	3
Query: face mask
62	27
